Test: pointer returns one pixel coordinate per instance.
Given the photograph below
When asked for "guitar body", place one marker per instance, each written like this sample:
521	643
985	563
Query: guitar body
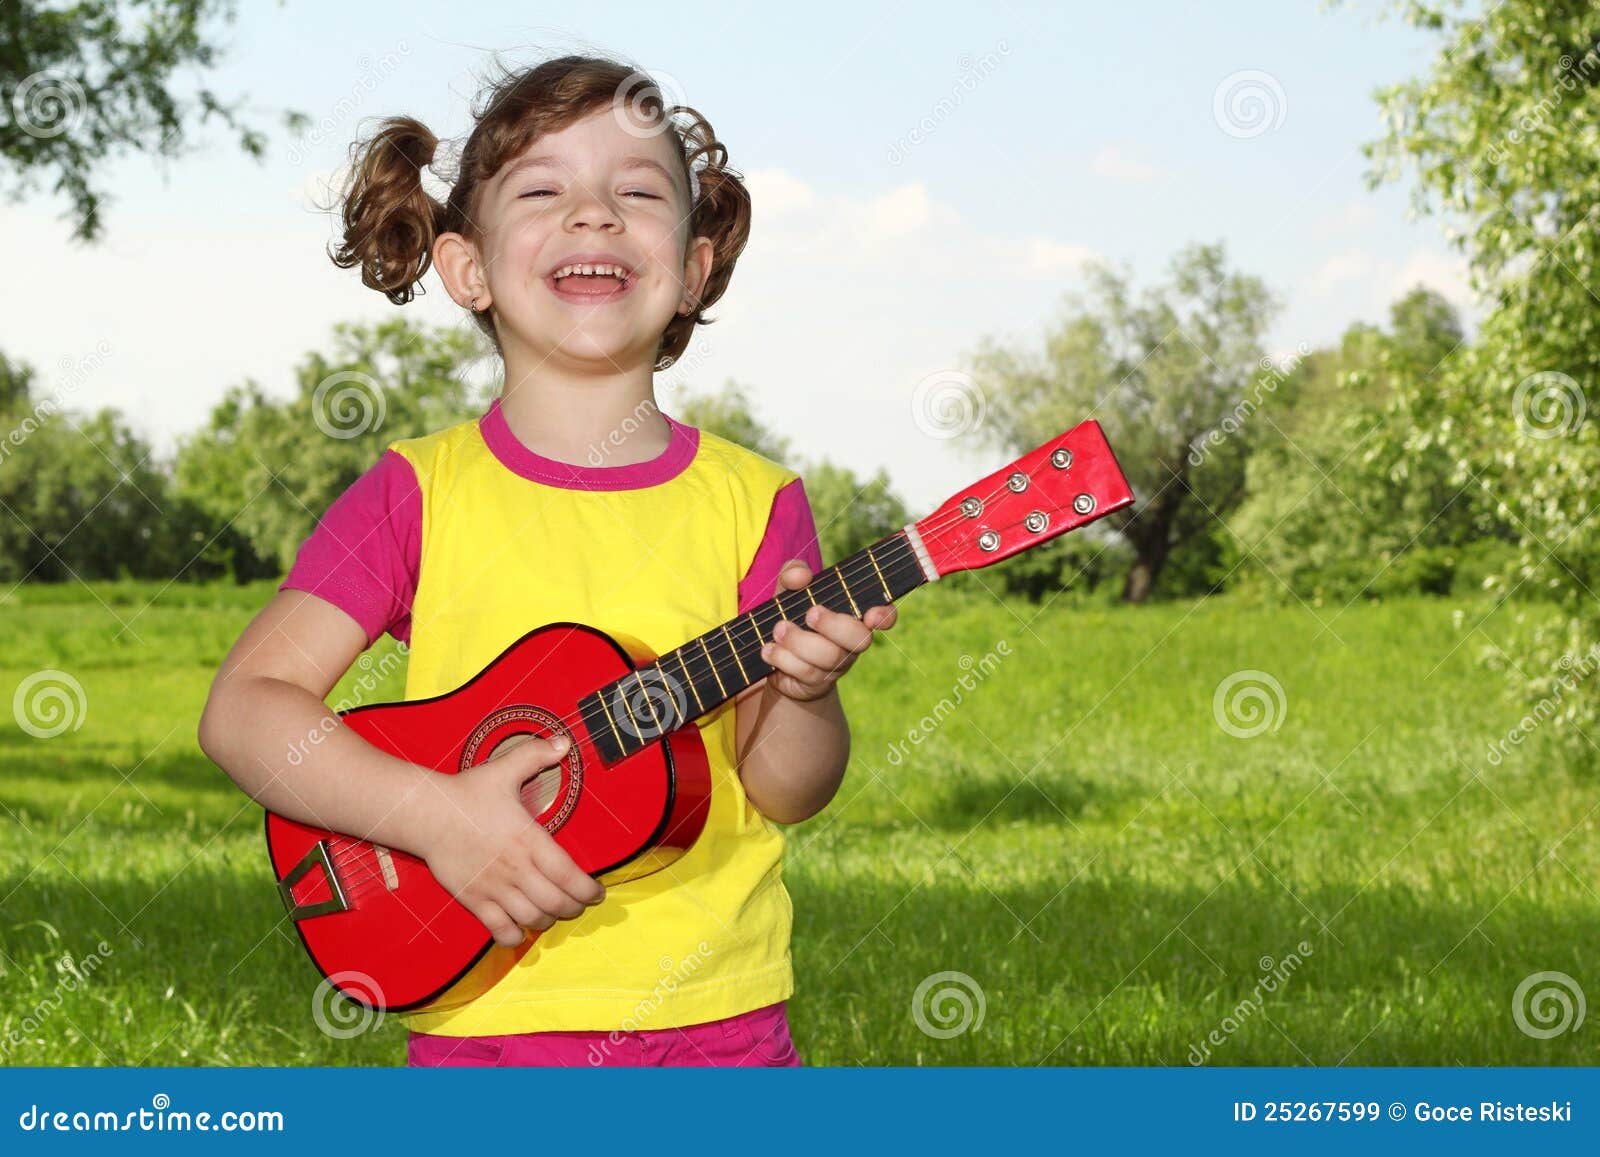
632	792
378	924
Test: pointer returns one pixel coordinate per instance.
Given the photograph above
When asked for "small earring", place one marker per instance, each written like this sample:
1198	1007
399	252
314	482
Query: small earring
474	305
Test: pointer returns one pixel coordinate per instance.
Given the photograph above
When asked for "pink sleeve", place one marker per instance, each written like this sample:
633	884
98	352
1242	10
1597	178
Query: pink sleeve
791	533
364	555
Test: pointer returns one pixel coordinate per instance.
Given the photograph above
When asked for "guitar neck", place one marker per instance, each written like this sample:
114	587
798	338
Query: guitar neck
708	670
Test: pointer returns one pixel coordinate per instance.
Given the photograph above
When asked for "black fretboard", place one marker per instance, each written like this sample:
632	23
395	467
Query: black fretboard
636	710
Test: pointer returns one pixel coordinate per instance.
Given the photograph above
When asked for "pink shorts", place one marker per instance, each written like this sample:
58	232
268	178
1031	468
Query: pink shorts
756	1038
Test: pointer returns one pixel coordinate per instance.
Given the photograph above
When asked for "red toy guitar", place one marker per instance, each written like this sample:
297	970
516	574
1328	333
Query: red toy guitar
630	796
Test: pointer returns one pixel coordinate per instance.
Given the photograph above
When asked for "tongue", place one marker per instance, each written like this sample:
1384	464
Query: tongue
589	284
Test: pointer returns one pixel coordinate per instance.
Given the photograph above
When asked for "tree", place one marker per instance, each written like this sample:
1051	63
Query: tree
77	87
1501	132
850	512
730	414
272	468
1173	379
1338	504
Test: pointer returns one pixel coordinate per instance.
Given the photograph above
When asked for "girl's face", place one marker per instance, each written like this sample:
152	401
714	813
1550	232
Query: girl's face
594	194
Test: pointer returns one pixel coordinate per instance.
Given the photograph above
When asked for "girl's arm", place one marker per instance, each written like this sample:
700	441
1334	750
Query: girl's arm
792	735
266	725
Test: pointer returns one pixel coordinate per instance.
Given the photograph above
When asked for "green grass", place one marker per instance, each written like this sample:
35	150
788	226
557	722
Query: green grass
1079	837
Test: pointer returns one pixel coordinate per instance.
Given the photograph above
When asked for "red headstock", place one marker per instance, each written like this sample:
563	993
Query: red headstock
1068	482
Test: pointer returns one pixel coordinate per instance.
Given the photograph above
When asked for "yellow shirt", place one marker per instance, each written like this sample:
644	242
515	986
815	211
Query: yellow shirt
511	541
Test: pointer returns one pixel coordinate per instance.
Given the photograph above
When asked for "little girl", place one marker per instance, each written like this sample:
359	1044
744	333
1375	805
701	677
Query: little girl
588	230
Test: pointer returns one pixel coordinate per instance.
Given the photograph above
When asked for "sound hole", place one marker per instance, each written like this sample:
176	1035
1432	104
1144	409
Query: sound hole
540	792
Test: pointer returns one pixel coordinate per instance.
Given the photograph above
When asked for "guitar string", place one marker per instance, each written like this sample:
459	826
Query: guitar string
898	546
359	854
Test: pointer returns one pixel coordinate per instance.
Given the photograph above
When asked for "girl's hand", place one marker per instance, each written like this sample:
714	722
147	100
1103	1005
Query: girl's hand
495	858
807	663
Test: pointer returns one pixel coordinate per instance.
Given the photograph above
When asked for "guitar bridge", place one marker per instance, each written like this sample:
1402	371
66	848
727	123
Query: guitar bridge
316	857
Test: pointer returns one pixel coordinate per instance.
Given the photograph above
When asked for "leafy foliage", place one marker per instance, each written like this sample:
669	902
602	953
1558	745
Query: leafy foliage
1160	375
82	86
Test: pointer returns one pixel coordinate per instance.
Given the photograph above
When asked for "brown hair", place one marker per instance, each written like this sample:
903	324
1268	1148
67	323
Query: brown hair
390	220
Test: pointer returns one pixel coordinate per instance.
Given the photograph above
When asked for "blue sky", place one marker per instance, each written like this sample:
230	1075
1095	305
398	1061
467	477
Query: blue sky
880	252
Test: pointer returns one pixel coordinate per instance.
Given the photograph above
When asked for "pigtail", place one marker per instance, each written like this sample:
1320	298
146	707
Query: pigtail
390	220
721	213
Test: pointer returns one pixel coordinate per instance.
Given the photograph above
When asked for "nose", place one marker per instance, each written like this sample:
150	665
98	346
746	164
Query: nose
592	210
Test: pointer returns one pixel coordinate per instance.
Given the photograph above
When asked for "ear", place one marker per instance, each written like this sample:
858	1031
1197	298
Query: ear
456	259
696	272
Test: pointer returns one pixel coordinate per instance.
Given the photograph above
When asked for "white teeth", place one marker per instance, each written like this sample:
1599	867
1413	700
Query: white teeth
612	270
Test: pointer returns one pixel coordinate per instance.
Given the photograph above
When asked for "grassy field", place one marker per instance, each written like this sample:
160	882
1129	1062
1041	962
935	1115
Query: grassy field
1115	877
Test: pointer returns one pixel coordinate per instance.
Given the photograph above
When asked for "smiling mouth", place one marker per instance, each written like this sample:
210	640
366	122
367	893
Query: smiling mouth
590	284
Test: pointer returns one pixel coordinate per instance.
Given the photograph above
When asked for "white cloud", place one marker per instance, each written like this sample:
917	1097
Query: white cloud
1111	161
1343	267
